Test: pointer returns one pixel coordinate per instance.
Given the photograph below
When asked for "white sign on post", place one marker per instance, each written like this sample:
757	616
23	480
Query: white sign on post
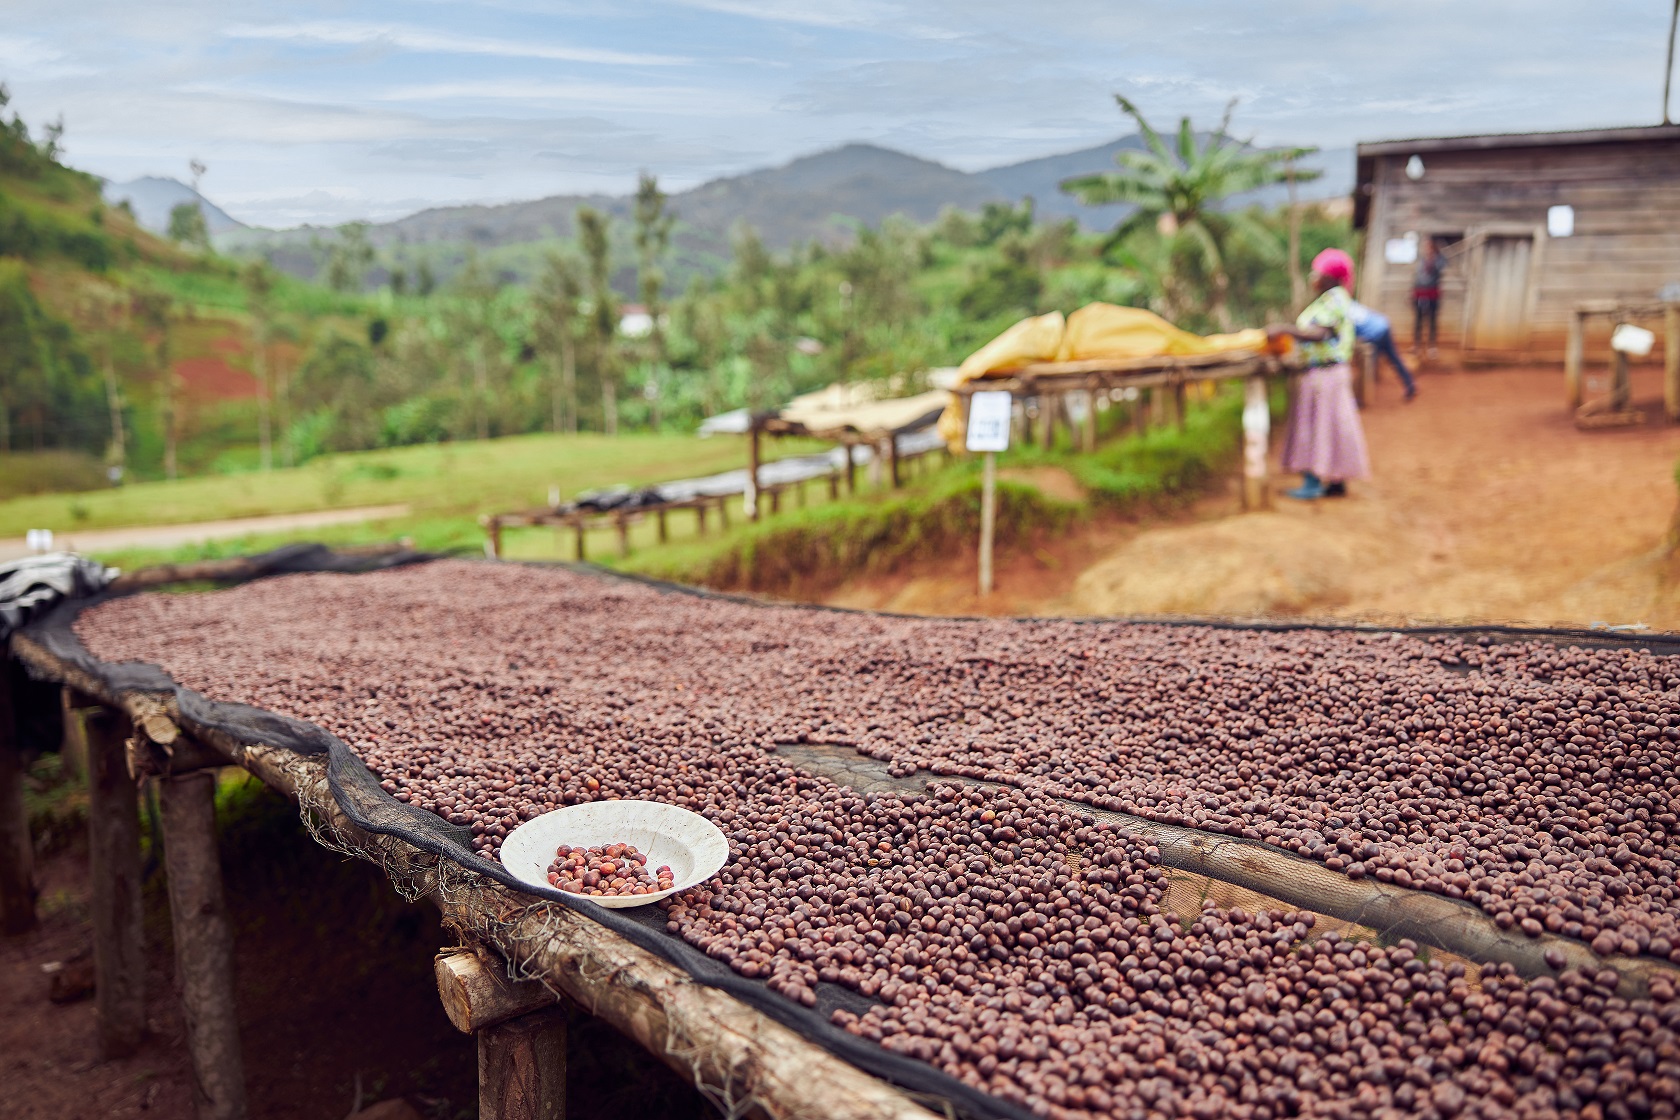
989	416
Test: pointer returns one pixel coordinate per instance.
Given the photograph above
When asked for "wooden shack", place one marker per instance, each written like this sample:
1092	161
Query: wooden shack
1534	224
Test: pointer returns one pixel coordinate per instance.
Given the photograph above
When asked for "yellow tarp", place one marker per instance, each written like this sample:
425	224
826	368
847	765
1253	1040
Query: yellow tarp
1097	330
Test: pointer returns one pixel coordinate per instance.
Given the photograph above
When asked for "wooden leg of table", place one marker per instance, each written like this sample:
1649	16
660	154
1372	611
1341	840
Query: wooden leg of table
203	944
1573	355
1671	364
522	1068
495	539
1090	440
114	863
17	850
723	512
578	534
622	524
1621	389
1181	411
700	519
664	530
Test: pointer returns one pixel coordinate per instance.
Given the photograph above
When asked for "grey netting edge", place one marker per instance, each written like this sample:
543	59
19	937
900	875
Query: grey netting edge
369	807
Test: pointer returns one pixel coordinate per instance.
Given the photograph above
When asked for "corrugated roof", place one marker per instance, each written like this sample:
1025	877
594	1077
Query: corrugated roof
1520	140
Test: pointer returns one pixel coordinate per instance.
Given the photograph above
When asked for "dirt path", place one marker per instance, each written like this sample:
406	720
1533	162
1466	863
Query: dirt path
172	536
1487	504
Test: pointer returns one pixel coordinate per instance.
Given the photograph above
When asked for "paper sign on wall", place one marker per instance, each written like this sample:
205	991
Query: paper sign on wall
988	421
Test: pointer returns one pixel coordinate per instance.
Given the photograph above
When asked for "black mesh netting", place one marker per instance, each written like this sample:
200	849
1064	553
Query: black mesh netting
359	794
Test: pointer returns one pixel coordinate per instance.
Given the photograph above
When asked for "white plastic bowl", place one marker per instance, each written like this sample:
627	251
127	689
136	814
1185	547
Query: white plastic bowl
693	846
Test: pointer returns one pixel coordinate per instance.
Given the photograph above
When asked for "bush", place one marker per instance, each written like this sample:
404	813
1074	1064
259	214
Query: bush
49	472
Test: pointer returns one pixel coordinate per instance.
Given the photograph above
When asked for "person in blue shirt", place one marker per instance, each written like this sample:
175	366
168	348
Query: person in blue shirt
1373	327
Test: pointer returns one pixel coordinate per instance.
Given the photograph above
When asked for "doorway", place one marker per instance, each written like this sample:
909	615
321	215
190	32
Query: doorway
1501	289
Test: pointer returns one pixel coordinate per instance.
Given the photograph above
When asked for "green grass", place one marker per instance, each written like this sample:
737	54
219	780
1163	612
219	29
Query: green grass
450	481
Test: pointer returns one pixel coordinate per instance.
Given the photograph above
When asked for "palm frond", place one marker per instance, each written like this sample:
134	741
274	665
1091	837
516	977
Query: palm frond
1150	136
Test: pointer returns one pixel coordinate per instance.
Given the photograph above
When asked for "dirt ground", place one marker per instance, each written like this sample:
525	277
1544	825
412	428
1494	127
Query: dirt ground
1486	504
335	992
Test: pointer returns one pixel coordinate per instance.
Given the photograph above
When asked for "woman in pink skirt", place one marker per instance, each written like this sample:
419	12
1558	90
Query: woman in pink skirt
1326	441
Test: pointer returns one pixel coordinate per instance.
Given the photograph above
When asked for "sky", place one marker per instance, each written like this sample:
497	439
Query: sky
334	111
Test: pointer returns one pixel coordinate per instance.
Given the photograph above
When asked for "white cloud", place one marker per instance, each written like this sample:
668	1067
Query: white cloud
29	58
363	34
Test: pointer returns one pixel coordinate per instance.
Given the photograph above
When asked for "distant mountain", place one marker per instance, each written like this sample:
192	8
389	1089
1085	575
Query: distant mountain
153	197
823	196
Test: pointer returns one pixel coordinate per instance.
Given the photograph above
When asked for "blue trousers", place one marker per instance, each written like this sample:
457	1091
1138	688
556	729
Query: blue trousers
1384	344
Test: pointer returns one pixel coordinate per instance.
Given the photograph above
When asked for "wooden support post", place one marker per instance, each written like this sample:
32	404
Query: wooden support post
17	851
1090	440
749	500
1671	363
1181	412
700	517
495	527
522	1068
1257	430
578	533
1573	355
892	460
988	520
1621	388
1047	404
72	744
1140	412
203	944
851	471
834	487
775	493
664	529
723	511
622	524
119	960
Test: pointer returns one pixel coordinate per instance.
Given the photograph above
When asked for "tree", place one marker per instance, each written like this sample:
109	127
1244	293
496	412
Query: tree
107	310
153	309
258	279
349	258
653	238
187	225
474	337
593	235
1178	191
556	300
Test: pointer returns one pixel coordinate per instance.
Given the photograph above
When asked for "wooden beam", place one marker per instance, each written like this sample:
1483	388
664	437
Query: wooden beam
1090	440
578	533
664	529
203	944
17	850
476	992
114	864
522	1068
753	457
1181	411
622	524
892	460
495	527
851	470
1671	363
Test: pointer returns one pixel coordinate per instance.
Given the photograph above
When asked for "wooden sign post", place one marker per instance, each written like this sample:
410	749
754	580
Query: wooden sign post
989	415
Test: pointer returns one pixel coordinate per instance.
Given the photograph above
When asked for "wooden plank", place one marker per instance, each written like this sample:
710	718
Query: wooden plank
203	944
1573	358
114	867
17	850
476	992
522	1068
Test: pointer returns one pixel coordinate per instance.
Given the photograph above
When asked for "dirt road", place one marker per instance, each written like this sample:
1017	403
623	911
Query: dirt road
1487	504
95	541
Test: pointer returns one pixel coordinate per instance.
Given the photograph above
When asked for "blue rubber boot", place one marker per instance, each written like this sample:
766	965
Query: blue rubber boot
1311	488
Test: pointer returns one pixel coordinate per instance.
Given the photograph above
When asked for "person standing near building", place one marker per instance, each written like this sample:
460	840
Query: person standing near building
1373	327
1326	441
1426	297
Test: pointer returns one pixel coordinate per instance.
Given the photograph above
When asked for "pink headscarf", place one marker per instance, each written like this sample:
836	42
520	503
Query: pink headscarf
1335	264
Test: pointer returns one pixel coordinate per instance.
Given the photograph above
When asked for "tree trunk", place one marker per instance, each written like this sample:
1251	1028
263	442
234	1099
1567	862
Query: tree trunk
265	420
283	413
609	404
568	381
481	395
1297	283
171	429
113	397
